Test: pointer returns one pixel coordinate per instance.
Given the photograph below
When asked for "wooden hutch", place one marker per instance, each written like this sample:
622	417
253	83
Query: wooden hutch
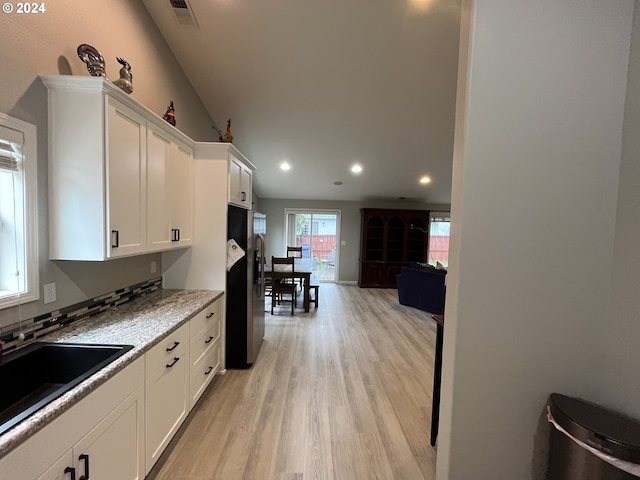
388	243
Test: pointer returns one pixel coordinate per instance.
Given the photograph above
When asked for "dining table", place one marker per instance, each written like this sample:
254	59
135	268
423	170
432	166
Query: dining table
303	268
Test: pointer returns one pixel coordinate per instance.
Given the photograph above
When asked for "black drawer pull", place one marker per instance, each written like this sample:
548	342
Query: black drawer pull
211	314
175	360
85	458
208	371
175	344
208	340
72	471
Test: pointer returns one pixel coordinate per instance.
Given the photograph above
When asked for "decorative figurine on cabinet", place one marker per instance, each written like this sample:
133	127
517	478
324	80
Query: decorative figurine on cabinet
125	82
227	137
170	114
93	59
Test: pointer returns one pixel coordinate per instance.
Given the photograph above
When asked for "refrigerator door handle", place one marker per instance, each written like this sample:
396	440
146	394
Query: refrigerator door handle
259	247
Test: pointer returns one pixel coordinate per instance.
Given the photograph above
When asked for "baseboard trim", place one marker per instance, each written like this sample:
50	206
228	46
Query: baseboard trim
347	282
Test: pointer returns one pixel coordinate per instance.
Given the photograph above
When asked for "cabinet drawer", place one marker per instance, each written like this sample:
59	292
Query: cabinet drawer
206	317
166	405
204	371
203	341
174	345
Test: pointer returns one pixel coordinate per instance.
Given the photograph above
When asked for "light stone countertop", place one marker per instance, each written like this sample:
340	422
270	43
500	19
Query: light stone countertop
141	322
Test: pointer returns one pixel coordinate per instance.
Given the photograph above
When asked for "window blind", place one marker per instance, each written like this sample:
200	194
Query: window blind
11	142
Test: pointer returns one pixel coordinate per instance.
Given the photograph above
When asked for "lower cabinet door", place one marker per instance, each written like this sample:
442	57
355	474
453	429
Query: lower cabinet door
61	470
113	449
166	404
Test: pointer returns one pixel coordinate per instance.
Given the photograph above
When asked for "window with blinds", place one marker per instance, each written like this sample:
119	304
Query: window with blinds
18	212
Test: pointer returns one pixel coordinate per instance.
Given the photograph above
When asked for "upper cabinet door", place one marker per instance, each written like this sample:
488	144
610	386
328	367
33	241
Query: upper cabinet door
126	178
240	183
170	191
181	195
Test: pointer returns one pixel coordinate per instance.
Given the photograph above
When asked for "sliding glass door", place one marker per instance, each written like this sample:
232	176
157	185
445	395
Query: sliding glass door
317	232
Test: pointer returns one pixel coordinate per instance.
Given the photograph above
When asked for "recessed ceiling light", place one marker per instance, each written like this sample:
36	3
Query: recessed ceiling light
285	166
356	168
424	180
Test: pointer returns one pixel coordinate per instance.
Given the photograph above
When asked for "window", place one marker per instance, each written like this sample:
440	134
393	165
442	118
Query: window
439	226
18	212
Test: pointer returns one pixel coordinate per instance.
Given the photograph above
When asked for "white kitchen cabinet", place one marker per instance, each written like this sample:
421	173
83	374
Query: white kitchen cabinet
104	431
111	449
240	181
61	470
169	191
98	184
205	349
167	405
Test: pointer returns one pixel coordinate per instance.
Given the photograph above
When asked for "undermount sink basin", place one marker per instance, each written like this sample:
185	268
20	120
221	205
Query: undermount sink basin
37	374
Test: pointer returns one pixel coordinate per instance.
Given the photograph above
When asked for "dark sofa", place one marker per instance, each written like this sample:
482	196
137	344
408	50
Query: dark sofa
422	287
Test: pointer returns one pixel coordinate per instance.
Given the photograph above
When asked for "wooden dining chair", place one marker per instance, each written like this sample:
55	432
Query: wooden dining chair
295	252
282	269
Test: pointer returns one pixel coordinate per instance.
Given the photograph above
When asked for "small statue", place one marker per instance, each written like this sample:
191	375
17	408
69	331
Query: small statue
93	59
227	137
170	115
125	82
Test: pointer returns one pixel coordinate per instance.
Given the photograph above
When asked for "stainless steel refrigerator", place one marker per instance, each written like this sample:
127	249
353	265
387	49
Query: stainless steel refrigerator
245	288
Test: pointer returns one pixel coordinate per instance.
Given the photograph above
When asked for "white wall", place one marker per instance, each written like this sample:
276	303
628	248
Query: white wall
45	44
537	157
620	330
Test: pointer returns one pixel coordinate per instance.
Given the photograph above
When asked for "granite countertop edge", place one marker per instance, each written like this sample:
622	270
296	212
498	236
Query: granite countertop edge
142	322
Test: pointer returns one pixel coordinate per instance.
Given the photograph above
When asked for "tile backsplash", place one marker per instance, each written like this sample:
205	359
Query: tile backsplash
41	325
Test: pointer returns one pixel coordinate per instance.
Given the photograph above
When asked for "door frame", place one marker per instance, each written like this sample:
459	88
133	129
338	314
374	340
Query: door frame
311	211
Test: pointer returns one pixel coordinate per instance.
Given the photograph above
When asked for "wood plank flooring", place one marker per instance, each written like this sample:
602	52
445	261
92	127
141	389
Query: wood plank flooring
340	393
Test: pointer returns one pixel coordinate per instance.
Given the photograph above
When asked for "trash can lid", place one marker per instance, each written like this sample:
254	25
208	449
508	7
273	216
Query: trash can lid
601	428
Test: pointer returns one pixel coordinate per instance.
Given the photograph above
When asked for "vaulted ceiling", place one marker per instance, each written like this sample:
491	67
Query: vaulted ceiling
324	85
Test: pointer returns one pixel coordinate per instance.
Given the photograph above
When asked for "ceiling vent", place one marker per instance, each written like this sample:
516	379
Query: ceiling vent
183	13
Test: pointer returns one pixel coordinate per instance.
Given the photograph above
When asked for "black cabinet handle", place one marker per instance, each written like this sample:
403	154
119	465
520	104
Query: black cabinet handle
85	458
178	234
175	360
211	314
173	347
244	196
115	238
71	471
208	340
208	371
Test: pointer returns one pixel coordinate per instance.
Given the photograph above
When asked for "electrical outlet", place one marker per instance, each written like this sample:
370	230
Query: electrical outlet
50	293
154	266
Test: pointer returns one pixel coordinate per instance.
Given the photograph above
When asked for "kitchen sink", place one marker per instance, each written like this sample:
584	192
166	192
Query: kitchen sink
33	376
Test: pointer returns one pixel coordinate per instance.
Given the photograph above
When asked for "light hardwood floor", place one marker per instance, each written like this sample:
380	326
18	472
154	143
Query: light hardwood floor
342	392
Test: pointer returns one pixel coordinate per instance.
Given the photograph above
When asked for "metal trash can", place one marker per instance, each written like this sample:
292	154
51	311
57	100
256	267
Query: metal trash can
590	442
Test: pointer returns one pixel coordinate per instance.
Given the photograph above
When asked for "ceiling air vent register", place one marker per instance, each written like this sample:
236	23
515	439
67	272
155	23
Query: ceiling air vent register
183	13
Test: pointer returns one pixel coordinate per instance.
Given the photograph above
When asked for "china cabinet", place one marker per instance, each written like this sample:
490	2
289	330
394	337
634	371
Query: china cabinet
391	239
